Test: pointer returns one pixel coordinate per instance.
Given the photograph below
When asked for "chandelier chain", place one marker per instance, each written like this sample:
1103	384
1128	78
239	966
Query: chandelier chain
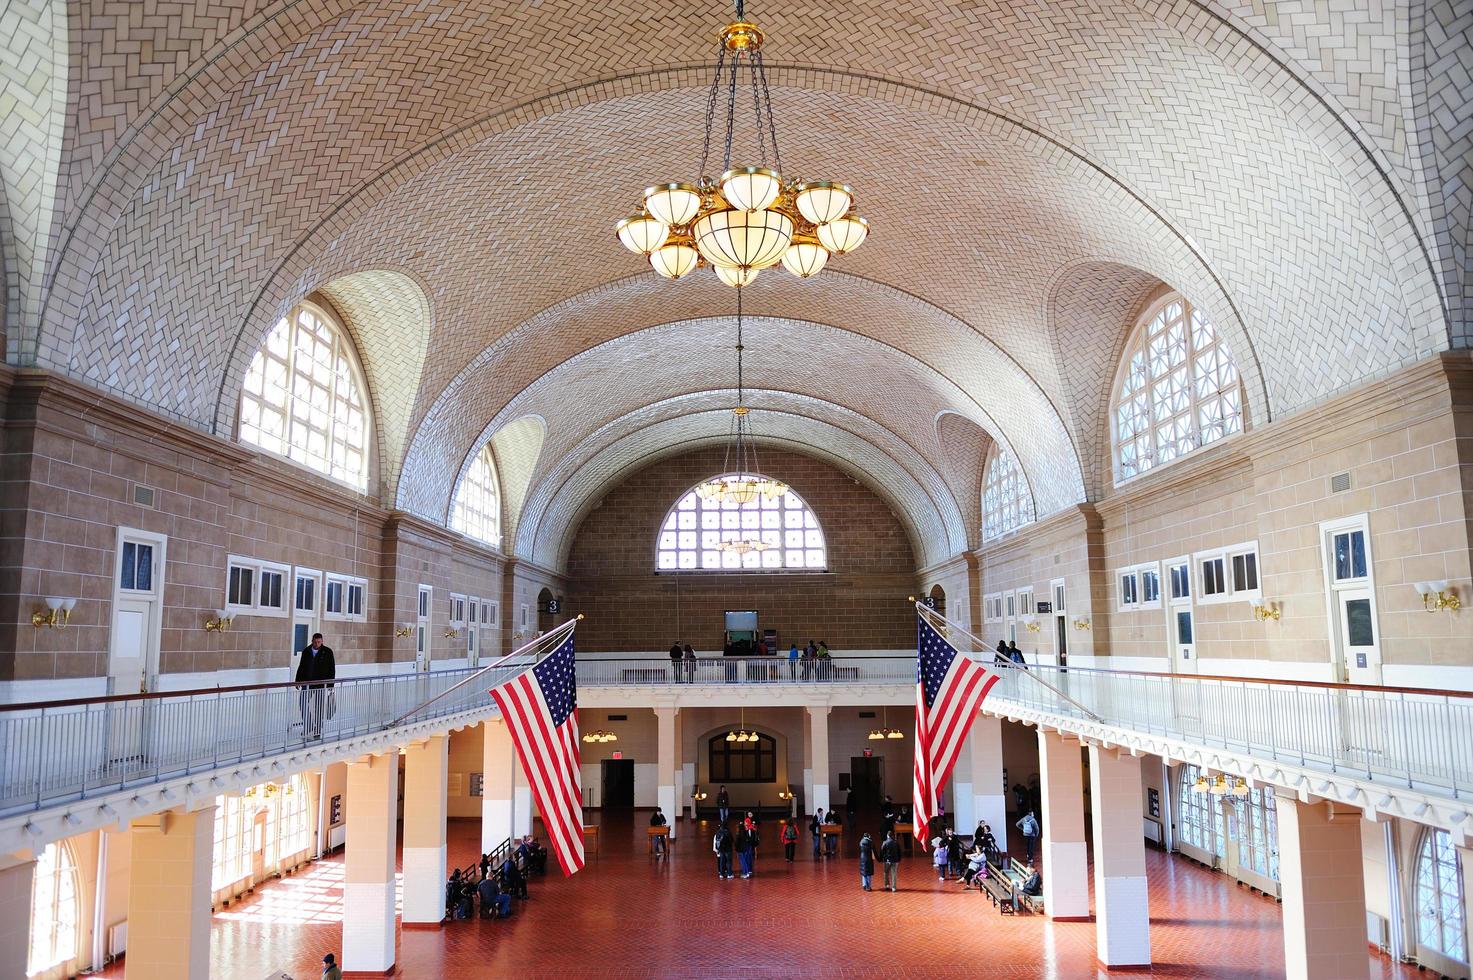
777	157
731	91
757	112
711	110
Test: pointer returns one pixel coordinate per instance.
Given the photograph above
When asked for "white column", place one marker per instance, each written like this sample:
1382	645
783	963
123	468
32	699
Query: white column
680	789
980	794
807	764
169	894
16	877
426	778
368	864
1065	856
498	759
1323	888
1122	903
665	764
818	724
521	802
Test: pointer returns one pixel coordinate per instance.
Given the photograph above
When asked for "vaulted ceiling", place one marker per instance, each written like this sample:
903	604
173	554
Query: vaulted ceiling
446	174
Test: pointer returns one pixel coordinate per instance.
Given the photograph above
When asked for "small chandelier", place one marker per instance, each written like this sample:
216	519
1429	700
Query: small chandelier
600	736
741	734
742	482
751	217
876	734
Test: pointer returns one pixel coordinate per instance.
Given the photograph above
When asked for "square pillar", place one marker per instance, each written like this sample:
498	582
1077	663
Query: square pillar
807	764
1323	887
521	802
368	864
498	759
426	778
977	784
169	894
665	765
680	788
1122	902
17	876
1064	853
818	738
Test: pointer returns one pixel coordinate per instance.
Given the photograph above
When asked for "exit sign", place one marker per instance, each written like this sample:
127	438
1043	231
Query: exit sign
869	753
618	755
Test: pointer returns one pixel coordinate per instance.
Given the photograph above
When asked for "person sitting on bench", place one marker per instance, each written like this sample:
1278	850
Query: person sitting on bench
1033	884
976	865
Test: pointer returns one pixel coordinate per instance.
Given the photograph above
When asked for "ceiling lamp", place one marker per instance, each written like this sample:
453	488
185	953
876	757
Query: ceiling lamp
600	736
751	217
877	734
741	482
741	734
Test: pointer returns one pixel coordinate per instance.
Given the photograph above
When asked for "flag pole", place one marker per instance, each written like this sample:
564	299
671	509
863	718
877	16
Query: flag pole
537	641
924	610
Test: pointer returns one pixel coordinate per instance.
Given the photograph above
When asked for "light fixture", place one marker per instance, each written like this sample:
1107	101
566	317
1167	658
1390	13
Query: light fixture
1081	624
1438	595
741	482
57	614
751	217
1202	785
1031	623
451	634
1263	612
697	795
884	732
221	622
741	734
600	736
785	793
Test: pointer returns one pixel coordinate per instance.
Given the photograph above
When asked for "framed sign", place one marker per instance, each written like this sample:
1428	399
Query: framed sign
335	811
478	784
552	606
1153	802
1043	607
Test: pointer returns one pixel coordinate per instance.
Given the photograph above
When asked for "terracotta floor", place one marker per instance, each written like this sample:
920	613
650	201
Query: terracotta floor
629	916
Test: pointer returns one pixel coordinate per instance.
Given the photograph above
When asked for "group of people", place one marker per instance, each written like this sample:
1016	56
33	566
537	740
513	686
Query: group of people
1008	653
743	843
494	888
682	663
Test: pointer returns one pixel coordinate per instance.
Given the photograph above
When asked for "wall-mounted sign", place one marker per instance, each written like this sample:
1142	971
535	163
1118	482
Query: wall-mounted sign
618	755
1153	802
869	753
478	784
335	811
930	601
552	606
1043	607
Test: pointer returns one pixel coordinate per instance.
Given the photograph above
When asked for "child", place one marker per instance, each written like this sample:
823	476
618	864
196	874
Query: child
943	857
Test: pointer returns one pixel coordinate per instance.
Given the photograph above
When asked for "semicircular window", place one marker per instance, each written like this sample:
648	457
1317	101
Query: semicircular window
698	533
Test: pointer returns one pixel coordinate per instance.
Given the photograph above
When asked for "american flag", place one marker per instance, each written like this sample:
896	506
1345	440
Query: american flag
540	708
949	691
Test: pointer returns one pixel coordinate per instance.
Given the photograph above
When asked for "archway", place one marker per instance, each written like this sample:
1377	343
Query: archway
549	608
937	599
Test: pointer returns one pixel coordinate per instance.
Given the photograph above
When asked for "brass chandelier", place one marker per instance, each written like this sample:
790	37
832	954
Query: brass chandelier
751	217
742	482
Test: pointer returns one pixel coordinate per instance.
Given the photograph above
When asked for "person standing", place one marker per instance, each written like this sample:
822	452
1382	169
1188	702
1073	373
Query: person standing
330	968
1001	656
1014	654
941	856
1029	826
721	844
815	828
657	819
793	662
723	805
746	848
676	656
689	655
790	840
890	857
315	664
866	861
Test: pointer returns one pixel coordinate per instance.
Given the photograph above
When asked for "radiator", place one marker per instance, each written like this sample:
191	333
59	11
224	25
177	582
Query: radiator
117	940
337	836
1152	829
1378	931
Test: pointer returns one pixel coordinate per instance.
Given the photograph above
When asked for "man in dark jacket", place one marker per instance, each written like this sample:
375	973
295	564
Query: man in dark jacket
657	819
721	844
890	857
746	848
676	654
866	861
316	664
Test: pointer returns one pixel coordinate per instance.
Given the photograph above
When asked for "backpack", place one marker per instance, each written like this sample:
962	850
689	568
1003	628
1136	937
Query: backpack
790	834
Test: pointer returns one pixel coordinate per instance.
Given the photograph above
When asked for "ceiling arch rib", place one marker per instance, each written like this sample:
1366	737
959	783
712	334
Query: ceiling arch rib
895	391
929	506
808	436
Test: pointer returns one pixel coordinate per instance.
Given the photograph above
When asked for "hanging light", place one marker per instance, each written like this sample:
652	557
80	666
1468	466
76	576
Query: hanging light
600	736
676	259
750	217
1219	786
885	732
741	734
1202	785
736	277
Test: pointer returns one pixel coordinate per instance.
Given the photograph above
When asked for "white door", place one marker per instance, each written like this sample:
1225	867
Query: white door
472	630
1181	626
306	613
1061	623
422	628
1352	593
138	588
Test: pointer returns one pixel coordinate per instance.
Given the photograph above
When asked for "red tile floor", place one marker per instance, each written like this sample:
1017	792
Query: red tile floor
628	915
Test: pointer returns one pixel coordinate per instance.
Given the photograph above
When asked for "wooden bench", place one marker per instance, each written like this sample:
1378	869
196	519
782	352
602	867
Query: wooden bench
656	833
1018	873
998	887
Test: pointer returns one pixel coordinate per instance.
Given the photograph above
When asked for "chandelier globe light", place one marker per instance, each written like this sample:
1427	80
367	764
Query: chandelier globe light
752	217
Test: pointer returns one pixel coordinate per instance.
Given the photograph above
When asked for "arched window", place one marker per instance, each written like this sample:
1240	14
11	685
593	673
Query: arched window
743	762
478	504
1440	924
1177	389
55	909
692	533
305	399
1006	503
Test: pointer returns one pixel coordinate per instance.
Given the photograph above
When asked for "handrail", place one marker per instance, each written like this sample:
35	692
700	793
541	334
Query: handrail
1278	682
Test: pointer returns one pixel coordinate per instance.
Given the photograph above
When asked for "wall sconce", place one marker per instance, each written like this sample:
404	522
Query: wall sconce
57	614
1266	611
452	634
785	794
1081	624
697	795
220	623
403	629
1435	596
1031	624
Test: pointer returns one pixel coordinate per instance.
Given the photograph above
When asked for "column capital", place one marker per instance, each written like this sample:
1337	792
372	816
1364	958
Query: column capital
817	708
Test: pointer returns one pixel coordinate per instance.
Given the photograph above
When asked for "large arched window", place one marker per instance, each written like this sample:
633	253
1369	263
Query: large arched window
1006	503
742	762
55	909
691	536
1440	925
305	399
478	504
1177	389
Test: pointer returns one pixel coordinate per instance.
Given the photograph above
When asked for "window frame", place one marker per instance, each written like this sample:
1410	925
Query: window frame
1007	497
64	877
1183	564
1138	343
469	517
258	569
346	583
1228	593
763	750
690	522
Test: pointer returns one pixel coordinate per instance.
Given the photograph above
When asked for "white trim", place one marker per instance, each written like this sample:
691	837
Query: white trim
1226	555
1447	677
258	567
1127	599
347	583
316	575
1170	565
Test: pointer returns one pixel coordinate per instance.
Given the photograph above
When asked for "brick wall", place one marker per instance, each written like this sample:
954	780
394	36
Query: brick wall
859	603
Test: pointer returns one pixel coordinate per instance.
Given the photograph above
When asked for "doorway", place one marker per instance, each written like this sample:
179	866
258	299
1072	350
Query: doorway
138	589
307	587
937	600
1350	584
866	781
618	784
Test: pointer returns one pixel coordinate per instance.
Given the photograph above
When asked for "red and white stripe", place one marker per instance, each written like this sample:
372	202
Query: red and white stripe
941	732
549	758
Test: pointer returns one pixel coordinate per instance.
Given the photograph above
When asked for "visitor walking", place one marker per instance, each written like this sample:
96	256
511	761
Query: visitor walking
723	805
330	968
1029	826
815	828
790	840
316	664
866	861
940	856
890	857
657	819
721	845
746	848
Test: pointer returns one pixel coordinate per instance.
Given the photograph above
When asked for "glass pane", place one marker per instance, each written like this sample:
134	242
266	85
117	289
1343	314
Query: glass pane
128	570
1358	630
144	573
1184	628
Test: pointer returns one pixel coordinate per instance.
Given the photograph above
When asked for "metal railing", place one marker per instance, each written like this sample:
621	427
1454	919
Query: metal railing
1419	739
654	671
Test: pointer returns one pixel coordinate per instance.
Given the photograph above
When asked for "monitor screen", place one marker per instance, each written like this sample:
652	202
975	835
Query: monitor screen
741	619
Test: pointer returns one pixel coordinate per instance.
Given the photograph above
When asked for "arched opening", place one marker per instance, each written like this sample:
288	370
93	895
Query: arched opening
55	909
1438	896
754	771
937	599
698	531
549	610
